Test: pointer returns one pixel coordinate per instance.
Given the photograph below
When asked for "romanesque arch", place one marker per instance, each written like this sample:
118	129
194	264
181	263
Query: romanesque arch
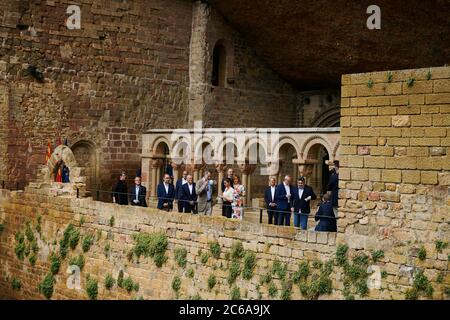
85	152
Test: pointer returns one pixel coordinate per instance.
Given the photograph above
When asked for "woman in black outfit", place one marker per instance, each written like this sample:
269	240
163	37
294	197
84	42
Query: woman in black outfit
227	198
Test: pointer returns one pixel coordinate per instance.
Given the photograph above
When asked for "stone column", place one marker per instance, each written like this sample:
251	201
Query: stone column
247	170
198	60
175	168
155	165
219	169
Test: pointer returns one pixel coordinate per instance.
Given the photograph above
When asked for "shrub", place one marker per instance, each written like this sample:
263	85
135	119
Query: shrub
302	273
249	265
422	254
112	220
71	236
341	255
109	281
214	248
273	290
286	290
370	83
211	281
20	246
29	233
46	286
440	245
317	264
16	284
32	259
151	245
235	293
176	283
190	273
237	250
234	271
410	82
91	288
55	263
377	255
267	278
384	274
389	76
128	284
120	279
204	257
279	269
2	227
77	261
88	240
180	255
34	246
107	250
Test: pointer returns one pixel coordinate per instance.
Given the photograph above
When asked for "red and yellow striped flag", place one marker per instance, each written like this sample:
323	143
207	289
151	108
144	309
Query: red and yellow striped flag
49	151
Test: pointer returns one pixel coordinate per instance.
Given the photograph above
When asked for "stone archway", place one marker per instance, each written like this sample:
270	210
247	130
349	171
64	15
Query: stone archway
62	154
85	152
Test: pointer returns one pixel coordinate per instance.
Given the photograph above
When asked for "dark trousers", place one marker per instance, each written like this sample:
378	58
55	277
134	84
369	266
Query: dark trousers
284	217
188	208
273	216
180	206
227	210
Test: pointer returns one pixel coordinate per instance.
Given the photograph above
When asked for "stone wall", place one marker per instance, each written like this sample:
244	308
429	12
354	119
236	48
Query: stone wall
125	70
394	176
194	233
253	94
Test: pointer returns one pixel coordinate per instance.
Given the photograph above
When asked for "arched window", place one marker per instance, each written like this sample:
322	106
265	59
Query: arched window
218	77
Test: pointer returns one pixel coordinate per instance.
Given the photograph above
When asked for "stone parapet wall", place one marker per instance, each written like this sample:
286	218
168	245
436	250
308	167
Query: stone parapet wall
395	161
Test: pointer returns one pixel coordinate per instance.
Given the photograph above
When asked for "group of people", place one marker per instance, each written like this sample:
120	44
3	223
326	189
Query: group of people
282	200
135	196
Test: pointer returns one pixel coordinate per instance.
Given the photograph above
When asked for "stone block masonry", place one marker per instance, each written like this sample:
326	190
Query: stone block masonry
395	178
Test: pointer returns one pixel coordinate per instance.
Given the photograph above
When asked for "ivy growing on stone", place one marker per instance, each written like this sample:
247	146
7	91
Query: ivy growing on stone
107	250
235	293
313	285
112	220
190	272
20	246
204	257
46	286
249	265
176	284
180	255
151	245
211	281
70	238
237	250
279	269
77	261
55	263
234	271
32	258
286	290
377	255
421	287
273	290
91	287
120	279
214	249
88	240
16	284
440	245
422	254
109	281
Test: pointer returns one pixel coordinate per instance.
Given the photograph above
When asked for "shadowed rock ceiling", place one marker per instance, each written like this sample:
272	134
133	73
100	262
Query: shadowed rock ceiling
311	43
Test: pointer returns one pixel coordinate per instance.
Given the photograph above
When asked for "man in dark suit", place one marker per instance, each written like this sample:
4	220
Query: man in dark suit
137	193
303	195
166	194
178	185
333	187
283	199
188	195
120	190
325	215
269	197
